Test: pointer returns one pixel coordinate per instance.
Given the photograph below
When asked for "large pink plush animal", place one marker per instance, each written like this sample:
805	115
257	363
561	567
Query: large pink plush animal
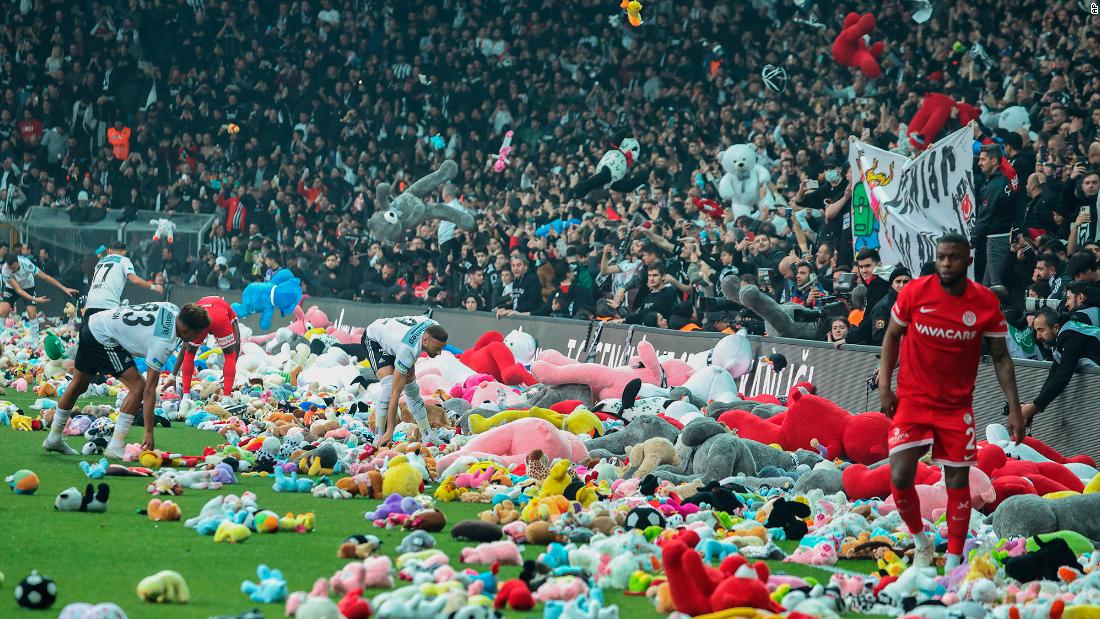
933	498
511	442
554	368
504	552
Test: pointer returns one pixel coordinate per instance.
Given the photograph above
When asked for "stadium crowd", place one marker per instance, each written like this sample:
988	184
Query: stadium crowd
281	117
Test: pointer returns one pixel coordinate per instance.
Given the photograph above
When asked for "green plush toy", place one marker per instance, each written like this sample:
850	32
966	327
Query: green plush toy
54	347
1078	543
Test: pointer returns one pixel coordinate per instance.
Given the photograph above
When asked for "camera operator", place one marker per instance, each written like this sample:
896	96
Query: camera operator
1075	342
807	289
1021	338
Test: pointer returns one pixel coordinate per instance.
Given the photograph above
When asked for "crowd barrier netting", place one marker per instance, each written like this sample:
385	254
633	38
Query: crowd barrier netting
839	374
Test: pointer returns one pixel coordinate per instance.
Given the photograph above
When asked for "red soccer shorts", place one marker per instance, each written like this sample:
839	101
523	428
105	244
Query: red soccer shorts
949	432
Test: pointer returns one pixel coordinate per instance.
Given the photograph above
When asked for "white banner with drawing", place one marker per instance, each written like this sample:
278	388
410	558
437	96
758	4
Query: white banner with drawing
903	206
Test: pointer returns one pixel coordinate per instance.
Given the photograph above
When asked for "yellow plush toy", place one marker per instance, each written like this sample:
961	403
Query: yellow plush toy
232	533
546	508
165	586
401	478
557	481
447	490
22	423
580	421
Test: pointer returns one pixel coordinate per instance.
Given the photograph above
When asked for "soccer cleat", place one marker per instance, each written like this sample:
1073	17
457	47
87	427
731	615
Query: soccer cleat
114	451
57	444
924	552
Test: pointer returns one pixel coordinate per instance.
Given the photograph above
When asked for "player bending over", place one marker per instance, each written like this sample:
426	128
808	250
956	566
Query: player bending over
108	343
943	318
392	346
227	333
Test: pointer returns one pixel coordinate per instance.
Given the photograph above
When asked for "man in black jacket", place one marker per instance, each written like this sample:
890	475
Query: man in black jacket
996	214
659	296
867	261
526	290
1076	342
880	314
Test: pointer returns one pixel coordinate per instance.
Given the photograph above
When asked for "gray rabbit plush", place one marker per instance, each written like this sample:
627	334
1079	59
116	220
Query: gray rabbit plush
407	210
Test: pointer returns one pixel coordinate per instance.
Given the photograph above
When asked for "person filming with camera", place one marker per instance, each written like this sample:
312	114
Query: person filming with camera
1074	341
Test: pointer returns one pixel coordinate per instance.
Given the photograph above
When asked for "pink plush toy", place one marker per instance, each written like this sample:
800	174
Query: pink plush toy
441	373
501	158
563	588
516	531
504	552
372	572
821	554
554	368
510	443
474	480
933	498
465	389
294	600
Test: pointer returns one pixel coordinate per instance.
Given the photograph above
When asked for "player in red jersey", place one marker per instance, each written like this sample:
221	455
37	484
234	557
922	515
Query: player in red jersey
227	333
943	318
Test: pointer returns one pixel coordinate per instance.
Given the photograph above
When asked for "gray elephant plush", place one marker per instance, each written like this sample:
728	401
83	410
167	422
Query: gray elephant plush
407	210
710	452
779	318
1026	515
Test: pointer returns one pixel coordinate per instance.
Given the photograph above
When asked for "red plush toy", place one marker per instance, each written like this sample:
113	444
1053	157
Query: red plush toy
927	124
858	438
353	606
754	428
697	588
514	594
851	50
490	355
861	482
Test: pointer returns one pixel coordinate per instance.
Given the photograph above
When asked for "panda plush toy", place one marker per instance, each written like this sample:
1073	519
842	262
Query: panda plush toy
613	170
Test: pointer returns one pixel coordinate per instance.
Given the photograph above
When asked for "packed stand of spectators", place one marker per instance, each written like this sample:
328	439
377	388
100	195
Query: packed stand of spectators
280	118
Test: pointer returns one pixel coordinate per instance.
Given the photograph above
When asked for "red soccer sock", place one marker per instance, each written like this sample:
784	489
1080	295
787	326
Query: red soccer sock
908	503
958	519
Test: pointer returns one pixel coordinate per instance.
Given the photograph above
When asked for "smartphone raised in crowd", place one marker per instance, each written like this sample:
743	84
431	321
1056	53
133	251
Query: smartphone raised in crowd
811	184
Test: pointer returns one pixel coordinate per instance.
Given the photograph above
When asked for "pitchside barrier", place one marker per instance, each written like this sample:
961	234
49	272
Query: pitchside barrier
839	374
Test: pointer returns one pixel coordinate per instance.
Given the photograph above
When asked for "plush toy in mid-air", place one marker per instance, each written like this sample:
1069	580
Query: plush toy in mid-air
633	10
407	210
744	177
165	229
612	170
501	158
283	292
851	49
929	123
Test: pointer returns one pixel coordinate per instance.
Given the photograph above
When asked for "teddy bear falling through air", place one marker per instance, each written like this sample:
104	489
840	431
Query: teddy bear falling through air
613	169
408	209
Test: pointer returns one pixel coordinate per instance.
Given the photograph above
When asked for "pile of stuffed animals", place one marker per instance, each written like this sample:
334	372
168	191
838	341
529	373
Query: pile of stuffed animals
653	478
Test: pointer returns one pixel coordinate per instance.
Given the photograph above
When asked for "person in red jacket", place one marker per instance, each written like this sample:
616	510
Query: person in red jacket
226	331
119	138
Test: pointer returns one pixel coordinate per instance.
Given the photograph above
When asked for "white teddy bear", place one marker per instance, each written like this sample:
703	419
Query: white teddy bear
165	229
740	186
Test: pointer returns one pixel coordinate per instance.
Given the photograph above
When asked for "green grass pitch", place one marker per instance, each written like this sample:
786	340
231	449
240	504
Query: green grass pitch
101	557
